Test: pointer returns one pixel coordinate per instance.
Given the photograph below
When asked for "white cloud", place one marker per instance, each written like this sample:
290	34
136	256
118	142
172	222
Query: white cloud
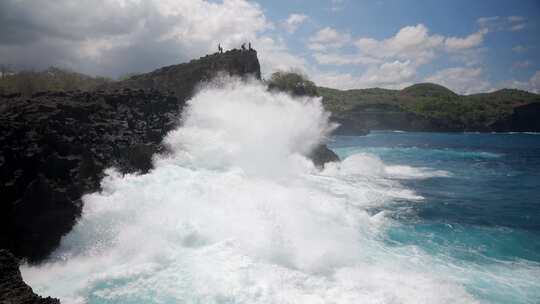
519	49
393	62
274	55
410	43
328	38
521	64
395	75
496	23
531	85
293	22
515	18
344	59
471	41
517	27
119	36
534	82
461	80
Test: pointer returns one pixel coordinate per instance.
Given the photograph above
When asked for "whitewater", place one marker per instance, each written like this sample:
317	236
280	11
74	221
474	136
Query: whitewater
235	212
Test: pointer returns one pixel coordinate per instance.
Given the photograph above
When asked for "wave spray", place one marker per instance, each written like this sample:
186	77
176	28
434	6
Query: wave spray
236	213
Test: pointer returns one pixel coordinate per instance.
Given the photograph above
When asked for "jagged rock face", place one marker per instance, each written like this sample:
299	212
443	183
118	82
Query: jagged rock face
524	118
13	290
322	155
55	145
54	149
182	79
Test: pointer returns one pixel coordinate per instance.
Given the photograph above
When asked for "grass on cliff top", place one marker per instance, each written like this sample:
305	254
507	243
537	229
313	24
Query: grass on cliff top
51	79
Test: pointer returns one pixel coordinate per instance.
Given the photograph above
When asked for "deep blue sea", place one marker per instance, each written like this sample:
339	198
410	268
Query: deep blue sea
485	213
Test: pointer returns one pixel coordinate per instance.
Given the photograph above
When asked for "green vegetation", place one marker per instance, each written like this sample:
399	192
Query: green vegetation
292	82
432	101
51	79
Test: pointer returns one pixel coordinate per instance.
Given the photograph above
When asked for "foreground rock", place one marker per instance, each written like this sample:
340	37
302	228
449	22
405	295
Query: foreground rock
322	155
13	290
55	148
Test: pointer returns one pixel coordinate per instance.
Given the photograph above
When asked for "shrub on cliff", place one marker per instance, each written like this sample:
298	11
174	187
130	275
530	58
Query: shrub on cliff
292	82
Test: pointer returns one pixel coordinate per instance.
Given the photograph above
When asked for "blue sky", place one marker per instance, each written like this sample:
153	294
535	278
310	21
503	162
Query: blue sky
469	46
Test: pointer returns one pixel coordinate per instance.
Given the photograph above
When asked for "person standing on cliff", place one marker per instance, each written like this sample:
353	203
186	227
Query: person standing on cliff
249	46
220	49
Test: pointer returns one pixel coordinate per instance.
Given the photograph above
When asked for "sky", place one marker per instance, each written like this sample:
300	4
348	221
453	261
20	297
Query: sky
467	46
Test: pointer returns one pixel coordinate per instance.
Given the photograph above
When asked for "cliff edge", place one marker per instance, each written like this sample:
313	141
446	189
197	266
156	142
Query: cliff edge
55	145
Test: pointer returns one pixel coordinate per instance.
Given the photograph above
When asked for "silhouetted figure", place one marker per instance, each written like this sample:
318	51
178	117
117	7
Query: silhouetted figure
249	46
243	46
220	49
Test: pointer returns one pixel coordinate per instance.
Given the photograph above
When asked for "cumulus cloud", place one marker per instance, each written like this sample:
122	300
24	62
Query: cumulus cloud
112	37
393	62
328	38
393	75
416	44
496	23
462	80
534	82
344	59
531	85
293	22
410	43
471	41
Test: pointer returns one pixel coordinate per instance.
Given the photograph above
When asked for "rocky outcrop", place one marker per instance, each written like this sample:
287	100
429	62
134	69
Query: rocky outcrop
180	80
55	147
13	290
322	155
524	118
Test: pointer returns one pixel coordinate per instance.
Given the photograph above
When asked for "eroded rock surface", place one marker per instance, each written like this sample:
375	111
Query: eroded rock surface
13	290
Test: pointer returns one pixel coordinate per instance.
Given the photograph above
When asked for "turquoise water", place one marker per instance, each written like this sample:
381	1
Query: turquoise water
484	214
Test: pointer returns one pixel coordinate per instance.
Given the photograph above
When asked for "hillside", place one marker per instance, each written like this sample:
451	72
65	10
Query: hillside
51	79
426	107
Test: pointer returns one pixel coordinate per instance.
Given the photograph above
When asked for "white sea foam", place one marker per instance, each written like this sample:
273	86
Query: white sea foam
237	214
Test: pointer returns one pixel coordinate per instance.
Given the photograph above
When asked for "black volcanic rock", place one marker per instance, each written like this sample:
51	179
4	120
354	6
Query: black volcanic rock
13	290
182	79
55	148
322	155
524	118
55	145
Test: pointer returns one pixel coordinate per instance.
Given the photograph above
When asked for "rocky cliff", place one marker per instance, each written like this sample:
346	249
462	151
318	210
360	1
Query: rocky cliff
13	290
524	118
55	145
180	80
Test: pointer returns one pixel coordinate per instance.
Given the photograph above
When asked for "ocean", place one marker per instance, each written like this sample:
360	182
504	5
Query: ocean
234	213
480	214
